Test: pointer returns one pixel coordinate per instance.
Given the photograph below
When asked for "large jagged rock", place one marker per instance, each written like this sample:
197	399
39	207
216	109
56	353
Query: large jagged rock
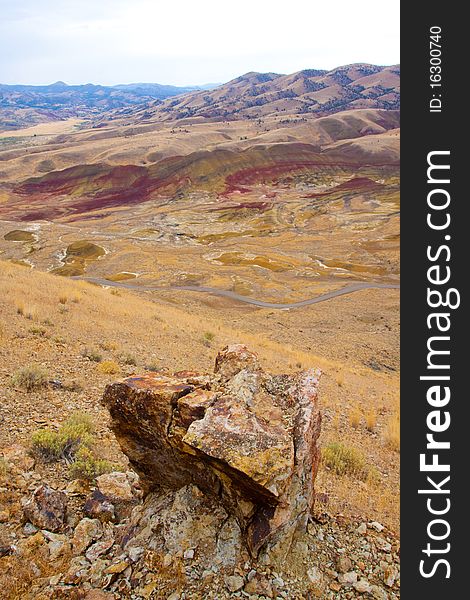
243	436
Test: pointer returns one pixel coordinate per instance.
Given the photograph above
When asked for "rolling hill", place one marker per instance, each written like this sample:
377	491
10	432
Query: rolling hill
25	105
257	95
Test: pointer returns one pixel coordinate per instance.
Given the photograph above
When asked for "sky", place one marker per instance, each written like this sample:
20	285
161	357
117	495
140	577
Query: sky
189	42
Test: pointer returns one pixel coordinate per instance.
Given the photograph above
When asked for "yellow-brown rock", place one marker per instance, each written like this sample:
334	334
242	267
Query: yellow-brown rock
246	437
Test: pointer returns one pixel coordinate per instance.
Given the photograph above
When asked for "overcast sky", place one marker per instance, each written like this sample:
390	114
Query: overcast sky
188	42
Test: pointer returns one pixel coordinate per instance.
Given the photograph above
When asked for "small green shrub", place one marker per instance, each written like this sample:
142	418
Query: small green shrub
87	466
46	444
345	460
80	420
73	434
30	378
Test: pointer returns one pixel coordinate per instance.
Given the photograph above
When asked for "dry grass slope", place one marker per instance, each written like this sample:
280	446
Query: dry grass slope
127	329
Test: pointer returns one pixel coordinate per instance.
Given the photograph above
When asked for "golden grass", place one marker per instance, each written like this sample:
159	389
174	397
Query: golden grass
355	416
340	379
19	307
392	432
371	419
347	460
30	378
33	293
162	334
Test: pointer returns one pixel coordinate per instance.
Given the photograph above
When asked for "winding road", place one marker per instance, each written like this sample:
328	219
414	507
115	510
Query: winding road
348	289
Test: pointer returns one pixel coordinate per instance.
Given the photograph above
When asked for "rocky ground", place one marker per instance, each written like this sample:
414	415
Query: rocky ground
106	541
252	533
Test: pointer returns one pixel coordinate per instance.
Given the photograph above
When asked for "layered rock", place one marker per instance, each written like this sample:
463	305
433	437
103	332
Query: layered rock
242	436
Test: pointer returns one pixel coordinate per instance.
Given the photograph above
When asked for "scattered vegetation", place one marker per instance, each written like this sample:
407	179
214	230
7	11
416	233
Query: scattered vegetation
392	432
3	467
109	367
128	359
335	422
371	419
345	460
355	416
29	312
340	379
75	433
87	466
72	443
72	386
30	378
79	329
107	345
153	366
38	330
207	338
91	354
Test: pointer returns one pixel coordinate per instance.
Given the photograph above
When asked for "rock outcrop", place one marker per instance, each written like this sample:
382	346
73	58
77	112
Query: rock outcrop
244	437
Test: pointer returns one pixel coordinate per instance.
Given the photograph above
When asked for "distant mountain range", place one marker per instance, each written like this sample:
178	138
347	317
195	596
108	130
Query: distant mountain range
25	105
257	95
310	92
